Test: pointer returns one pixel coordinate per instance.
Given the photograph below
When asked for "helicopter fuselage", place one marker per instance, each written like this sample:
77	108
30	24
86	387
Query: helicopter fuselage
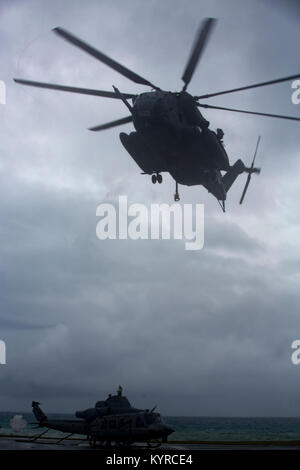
106	425
136	427
172	136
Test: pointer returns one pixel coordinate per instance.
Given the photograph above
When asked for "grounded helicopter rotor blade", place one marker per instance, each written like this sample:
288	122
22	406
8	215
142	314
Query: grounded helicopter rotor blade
72	89
108	125
256	85
279	116
103	58
200	42
251	171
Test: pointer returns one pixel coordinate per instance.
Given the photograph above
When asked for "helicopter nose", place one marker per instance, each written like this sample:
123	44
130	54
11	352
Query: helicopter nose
167	430
161	429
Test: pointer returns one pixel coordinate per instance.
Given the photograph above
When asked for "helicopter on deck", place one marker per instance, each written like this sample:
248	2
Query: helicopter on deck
171	134
111	420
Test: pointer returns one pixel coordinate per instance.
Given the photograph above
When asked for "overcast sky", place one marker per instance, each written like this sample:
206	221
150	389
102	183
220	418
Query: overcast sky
197	333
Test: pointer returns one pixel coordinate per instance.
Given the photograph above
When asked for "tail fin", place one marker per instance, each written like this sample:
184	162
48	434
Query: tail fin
38	412
231	175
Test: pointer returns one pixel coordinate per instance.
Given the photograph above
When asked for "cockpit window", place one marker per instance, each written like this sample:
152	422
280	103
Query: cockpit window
152	418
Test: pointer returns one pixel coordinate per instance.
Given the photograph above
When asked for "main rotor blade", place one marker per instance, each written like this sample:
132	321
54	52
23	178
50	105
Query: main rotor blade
201	40
122	97
108	125
279	116
256	85
103	58
72	89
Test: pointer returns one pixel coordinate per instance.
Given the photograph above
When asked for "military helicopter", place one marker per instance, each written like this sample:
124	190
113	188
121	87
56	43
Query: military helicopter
111	420
171	134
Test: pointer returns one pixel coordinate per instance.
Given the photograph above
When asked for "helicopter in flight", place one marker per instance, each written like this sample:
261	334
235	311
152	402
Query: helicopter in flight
171	135
113	420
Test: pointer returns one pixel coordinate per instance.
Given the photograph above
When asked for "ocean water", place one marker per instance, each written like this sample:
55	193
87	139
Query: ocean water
234	429
193	428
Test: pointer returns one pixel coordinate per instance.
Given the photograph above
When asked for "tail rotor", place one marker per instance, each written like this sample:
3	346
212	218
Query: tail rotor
251	170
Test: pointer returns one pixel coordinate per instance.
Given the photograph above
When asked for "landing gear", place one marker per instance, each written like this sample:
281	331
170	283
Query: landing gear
156	178
176	195
94	443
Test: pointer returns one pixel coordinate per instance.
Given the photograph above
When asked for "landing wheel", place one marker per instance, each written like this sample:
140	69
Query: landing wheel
159	179
154	179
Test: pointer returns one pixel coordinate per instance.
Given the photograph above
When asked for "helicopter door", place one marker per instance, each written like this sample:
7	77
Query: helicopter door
139	422
139	426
